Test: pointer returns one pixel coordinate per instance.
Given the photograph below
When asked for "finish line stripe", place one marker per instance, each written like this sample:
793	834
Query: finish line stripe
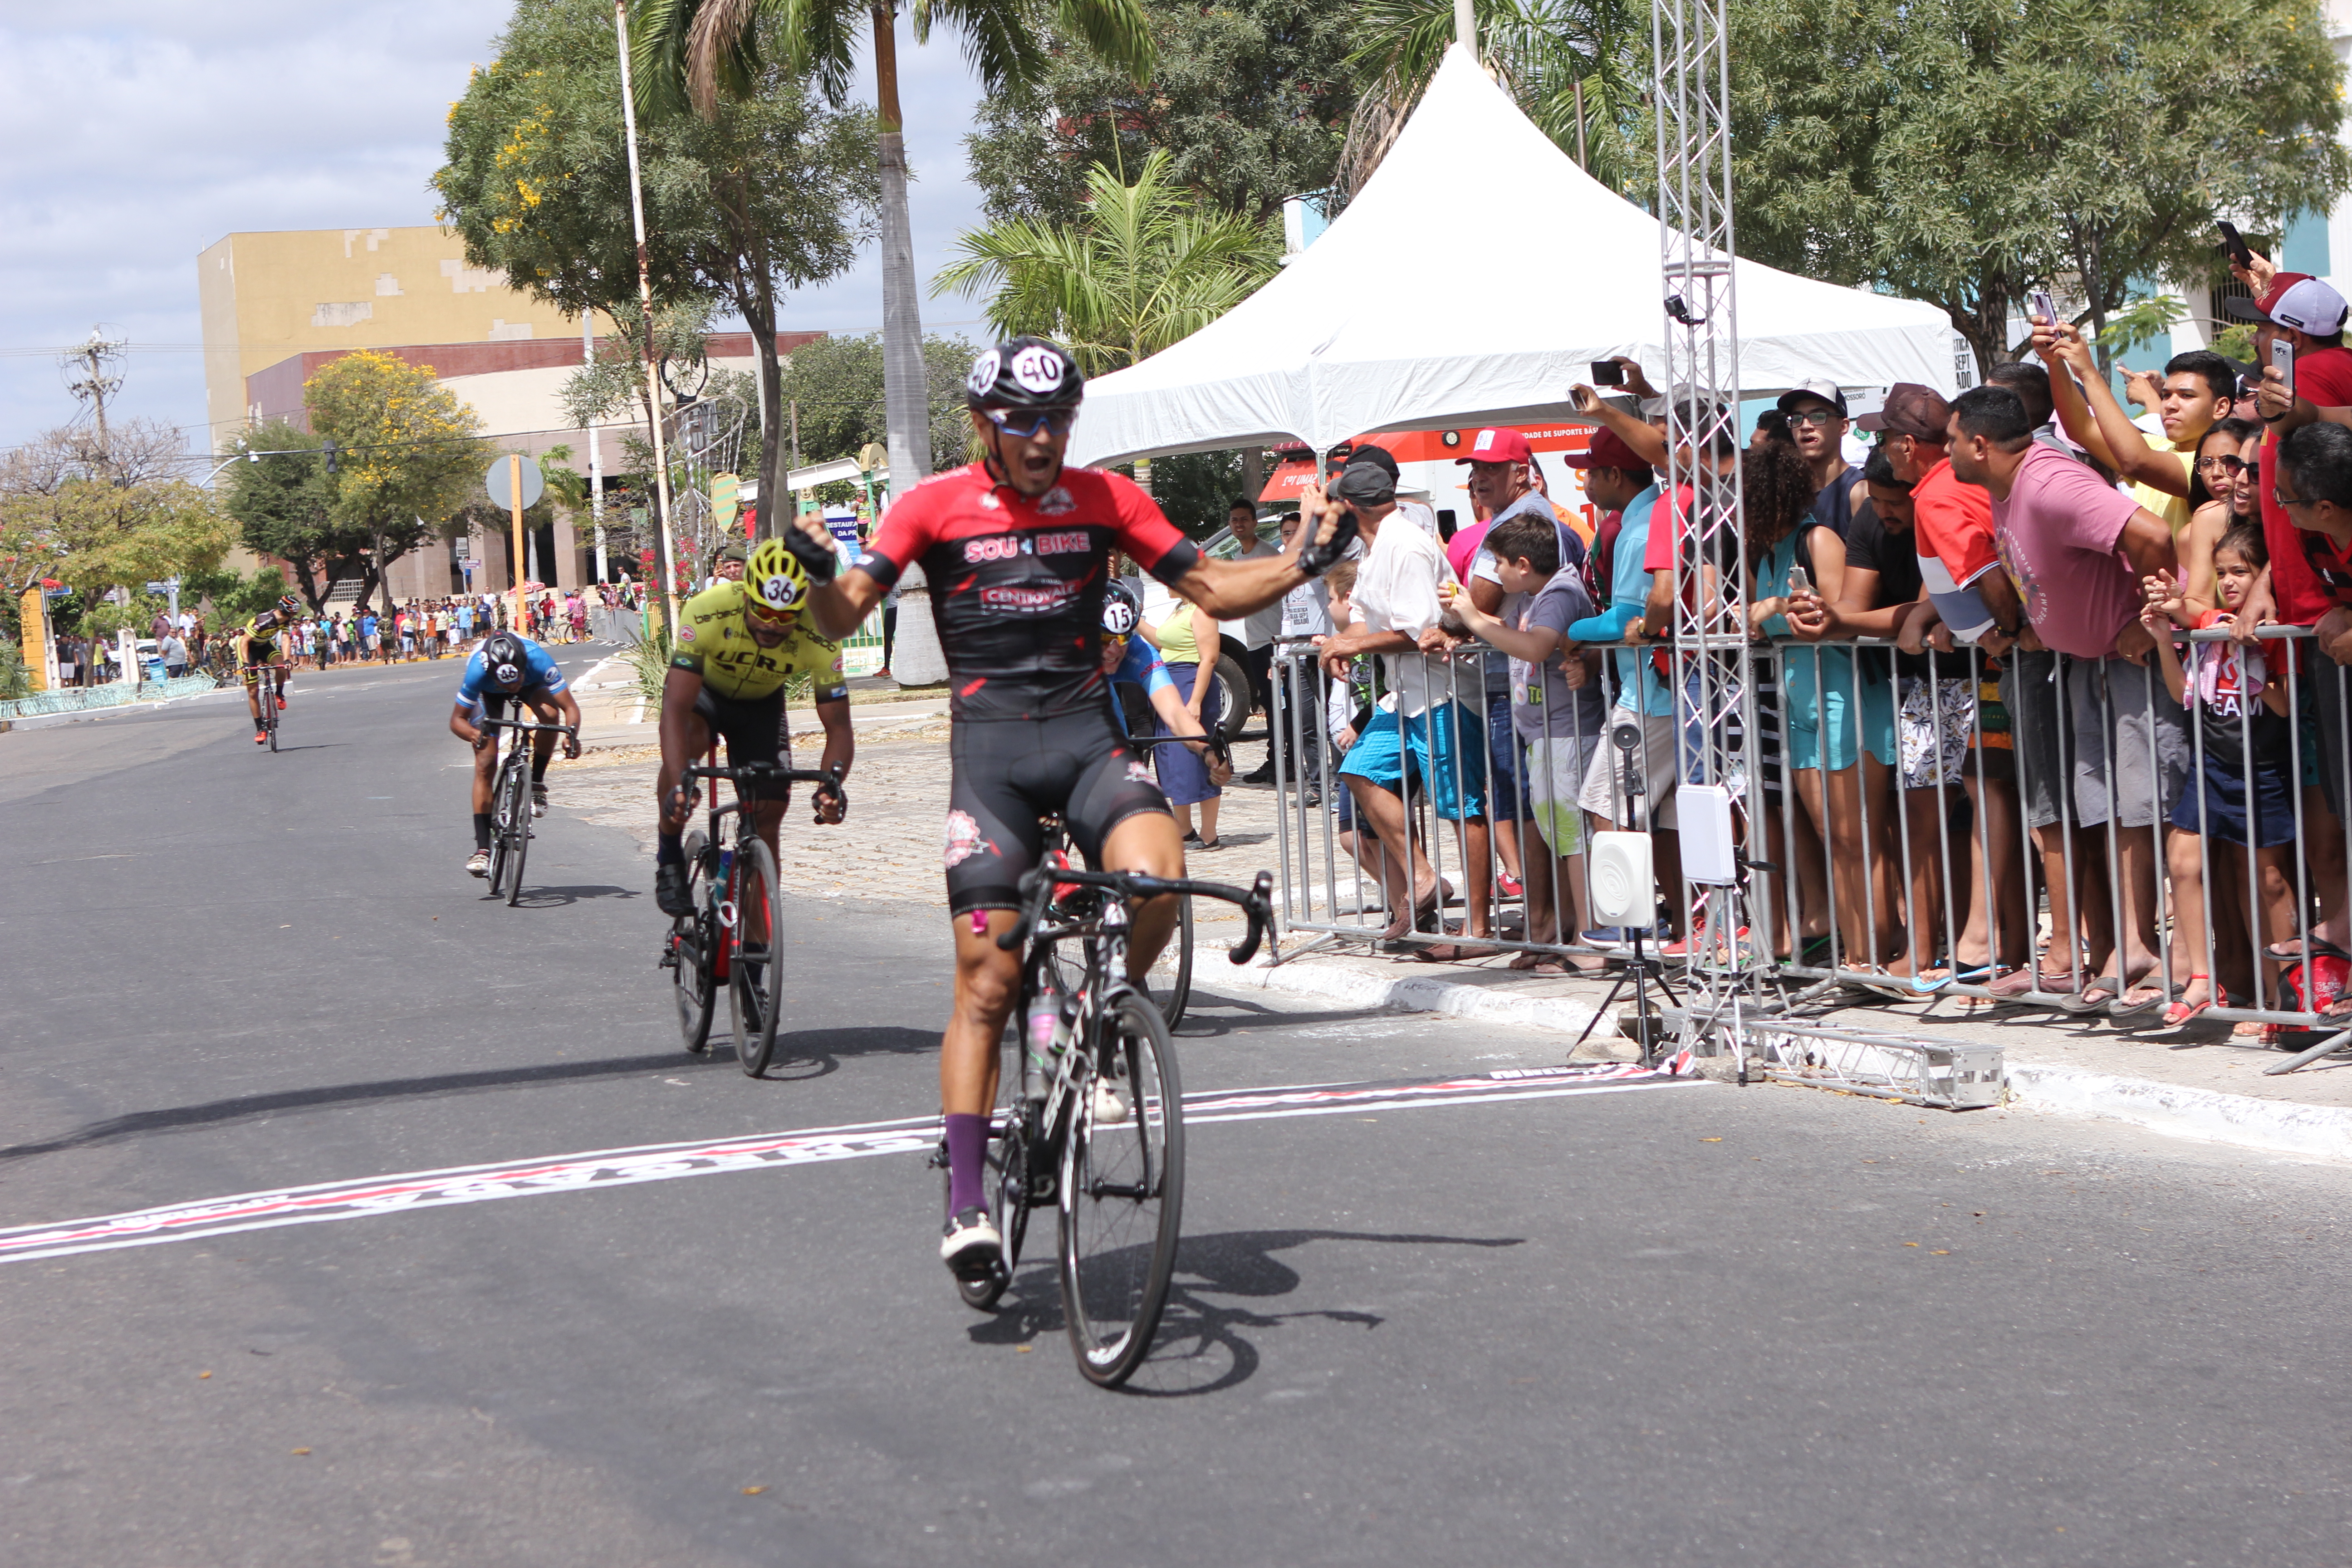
667	1162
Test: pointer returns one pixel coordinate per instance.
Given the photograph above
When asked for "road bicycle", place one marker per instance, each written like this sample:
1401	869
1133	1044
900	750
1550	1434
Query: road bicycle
1089	1112
1170	983
271	681
738	908
511	832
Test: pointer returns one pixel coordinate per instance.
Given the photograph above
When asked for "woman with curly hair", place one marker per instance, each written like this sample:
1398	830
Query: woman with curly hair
1839	725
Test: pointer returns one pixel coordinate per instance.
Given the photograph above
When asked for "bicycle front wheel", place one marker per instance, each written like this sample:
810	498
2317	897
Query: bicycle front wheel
1171	977
691	952
1122	1192
754	982
517	814
499	834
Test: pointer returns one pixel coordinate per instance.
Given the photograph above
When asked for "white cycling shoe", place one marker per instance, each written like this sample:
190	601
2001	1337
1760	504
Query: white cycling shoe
479	862
1111	1106
972	1245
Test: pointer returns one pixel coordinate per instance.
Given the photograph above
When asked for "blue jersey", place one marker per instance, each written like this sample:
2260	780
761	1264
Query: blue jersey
1141	667
540	679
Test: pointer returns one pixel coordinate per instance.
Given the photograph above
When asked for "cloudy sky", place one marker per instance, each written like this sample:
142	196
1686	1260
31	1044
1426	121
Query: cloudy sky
145	130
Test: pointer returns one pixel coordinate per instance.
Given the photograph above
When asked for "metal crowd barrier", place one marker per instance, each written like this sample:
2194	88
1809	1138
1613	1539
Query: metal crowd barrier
1978	828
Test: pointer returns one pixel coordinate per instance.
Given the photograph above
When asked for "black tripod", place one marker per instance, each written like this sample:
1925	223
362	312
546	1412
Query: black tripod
1642	969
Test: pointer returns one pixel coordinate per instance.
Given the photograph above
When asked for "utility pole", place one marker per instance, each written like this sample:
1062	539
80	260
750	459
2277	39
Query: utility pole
595	457
666	561
92	378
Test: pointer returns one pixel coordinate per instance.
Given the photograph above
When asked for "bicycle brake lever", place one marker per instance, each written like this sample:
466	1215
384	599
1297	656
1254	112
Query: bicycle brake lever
1260	909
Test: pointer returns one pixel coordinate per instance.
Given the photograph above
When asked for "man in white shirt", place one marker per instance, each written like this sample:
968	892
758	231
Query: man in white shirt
1257	630
1395	603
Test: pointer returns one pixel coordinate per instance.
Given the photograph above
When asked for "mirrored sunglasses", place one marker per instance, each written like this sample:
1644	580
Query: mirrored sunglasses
1030	423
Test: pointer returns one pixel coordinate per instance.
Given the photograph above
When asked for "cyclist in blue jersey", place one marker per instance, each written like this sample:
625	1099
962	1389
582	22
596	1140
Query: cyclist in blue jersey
509	668
1129	661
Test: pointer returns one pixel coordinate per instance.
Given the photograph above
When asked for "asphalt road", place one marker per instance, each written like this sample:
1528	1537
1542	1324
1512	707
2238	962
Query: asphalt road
1689	1325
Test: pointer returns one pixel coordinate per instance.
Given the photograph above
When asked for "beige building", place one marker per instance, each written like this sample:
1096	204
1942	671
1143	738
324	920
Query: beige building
266	298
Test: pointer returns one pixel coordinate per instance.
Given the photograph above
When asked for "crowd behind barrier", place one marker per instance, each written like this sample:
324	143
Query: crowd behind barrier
2040	707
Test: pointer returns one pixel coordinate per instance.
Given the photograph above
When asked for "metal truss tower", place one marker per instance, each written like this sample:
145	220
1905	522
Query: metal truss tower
1716	731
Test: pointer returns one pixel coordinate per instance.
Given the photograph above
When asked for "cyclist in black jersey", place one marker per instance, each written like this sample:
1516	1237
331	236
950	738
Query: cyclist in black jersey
1016	552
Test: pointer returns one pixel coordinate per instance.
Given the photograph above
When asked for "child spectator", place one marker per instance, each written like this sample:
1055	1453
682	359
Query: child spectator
2241	794
1555	710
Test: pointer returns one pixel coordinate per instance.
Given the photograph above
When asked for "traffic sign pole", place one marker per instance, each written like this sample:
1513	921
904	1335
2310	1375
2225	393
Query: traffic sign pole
514	495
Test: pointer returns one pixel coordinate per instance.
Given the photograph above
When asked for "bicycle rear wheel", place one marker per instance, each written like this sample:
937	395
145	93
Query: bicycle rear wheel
517	814
1122	1193
1171	977
696	993
752	972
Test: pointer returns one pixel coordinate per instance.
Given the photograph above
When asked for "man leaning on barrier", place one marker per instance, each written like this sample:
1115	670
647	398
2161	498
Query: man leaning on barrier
1395	606
2078	548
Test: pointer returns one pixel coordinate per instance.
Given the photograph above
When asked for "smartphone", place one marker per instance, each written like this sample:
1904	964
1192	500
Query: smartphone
1608	373
2236	243
2039	304
2282	356
1798	582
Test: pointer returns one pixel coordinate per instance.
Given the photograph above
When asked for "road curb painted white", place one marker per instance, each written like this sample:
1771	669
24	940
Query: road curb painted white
1409	992
2313	1132
2317	1131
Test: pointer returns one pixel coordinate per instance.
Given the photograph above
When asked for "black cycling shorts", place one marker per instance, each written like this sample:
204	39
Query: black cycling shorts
1011	772
756	729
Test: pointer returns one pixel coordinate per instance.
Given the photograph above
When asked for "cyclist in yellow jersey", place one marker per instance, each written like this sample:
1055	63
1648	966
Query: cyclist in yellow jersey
256	645
737	646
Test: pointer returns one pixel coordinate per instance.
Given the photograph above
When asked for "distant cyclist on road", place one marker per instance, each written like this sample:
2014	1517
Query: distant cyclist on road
256	650
1016	549
509	669
738	643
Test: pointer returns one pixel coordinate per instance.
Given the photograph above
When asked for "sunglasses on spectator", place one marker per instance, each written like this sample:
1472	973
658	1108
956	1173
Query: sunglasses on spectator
1032	423
2223	465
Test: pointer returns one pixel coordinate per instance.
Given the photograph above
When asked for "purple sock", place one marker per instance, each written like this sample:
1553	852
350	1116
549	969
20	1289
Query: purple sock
967	1161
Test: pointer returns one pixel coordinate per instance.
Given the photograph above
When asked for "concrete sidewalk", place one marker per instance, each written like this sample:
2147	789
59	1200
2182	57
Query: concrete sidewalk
2195	1081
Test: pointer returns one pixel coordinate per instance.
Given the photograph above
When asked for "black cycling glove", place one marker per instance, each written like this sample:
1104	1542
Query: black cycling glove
1316	559
817	557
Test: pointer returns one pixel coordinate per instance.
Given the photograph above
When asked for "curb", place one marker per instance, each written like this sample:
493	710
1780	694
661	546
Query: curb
2312	1131
2315	1131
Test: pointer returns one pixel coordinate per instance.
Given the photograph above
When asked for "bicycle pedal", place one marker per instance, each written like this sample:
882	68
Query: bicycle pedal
939	1160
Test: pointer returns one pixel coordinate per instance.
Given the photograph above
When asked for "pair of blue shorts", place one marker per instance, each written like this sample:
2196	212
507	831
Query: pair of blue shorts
1455	788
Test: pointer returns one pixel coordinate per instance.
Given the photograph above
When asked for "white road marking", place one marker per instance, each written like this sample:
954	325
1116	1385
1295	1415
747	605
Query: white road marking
375	1196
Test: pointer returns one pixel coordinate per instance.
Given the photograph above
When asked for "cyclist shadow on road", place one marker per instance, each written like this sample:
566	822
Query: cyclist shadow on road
818	1053
559	897
1200	1347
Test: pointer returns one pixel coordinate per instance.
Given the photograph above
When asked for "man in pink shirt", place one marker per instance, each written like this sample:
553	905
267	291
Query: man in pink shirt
2077	549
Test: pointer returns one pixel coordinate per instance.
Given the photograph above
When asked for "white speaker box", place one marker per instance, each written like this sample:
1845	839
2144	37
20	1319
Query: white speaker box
1625	891
1703	812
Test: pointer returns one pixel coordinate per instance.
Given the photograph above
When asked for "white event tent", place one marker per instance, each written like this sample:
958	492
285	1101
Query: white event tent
1424	305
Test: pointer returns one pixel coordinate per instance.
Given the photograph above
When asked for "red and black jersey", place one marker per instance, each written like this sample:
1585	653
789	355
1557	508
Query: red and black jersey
1017	585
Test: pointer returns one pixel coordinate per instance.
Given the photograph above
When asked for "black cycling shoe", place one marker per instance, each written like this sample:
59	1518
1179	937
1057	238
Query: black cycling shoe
669	889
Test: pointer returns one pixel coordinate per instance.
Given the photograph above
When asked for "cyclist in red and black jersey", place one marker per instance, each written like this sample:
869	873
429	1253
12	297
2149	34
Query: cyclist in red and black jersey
1016	550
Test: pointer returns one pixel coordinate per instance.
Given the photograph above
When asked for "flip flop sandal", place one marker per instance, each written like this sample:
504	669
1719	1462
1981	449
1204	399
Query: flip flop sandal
2180	1012
2125	1010
2291	952
1925	986
2099	993
2018	982
1974	974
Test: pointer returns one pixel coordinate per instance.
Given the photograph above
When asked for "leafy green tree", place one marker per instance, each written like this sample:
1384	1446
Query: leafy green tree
1145	266
95	519
1964	151
769	193
713	49
409	453
1578	69
1249	99
836	385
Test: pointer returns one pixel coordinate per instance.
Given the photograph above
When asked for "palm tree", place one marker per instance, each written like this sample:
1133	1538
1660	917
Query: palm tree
1576	67
1145	267
695	51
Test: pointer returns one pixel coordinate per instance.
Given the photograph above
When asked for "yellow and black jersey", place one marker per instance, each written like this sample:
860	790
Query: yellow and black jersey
713	642
257	643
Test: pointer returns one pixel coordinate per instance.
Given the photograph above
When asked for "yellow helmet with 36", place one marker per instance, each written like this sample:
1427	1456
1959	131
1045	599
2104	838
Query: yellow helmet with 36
774	580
